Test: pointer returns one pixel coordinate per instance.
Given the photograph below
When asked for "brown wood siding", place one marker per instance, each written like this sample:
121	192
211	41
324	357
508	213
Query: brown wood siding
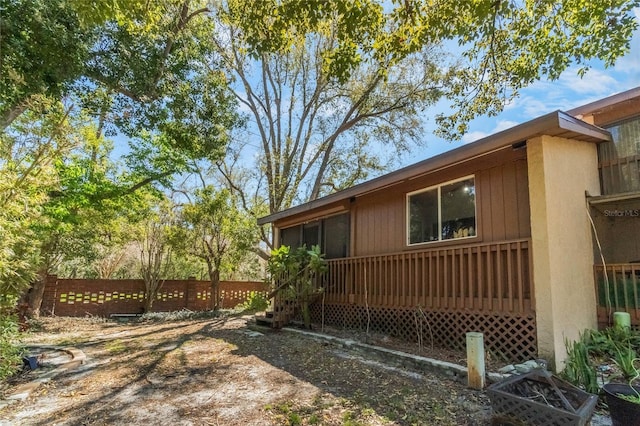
504	201
502	205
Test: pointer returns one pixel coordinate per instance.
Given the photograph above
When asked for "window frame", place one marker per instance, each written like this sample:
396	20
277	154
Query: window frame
438	188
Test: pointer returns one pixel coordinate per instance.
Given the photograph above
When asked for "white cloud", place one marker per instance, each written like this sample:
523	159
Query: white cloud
569	91
536	106
595	82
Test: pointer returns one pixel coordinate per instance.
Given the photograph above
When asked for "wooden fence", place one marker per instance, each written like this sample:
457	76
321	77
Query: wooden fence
80	297
441	293
618	289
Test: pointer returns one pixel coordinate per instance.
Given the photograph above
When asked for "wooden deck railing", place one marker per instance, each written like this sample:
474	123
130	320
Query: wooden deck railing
490	277
618	289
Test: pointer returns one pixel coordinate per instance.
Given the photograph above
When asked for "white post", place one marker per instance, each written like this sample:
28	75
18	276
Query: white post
475	360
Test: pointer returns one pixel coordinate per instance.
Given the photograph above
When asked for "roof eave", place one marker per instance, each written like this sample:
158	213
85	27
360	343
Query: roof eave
599	105
560	122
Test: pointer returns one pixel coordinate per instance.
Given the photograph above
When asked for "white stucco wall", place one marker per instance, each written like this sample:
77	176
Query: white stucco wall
560	171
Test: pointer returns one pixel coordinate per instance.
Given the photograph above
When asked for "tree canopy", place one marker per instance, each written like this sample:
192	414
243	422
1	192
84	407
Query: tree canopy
330	91
504	45
314	132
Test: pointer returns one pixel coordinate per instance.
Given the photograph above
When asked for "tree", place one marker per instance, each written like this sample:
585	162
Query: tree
155	254
170	89
42	49
315	130
169	104
296	274
28	158
45	44
213	230
88	197
505	45
331	85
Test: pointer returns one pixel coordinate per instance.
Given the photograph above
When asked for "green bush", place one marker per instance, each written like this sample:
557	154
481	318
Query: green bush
255	302
181	315
616	344
296	273
11	352
579	369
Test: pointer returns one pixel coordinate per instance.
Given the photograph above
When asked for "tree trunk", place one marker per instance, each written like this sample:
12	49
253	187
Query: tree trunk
152	287
36	294
306	315
10	114
215	288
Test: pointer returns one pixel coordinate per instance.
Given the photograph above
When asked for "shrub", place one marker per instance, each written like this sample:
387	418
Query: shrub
255	302
296	273
616	345
181	315
578	368
11	352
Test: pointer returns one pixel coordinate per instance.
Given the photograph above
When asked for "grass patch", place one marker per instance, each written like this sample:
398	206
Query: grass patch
115	347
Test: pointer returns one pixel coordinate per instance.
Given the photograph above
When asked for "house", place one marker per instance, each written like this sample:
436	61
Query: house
496	236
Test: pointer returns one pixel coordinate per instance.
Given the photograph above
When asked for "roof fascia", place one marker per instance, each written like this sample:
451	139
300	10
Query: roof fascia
601	104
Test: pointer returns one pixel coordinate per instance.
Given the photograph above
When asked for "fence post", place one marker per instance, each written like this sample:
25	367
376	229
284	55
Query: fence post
475	360
190	283
50	293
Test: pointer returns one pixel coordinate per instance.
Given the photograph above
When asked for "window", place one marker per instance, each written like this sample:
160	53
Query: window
331	233
443	212
311	234
290	237
620	159
335	241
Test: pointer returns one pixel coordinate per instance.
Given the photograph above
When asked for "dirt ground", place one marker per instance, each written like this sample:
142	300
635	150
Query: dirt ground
219	372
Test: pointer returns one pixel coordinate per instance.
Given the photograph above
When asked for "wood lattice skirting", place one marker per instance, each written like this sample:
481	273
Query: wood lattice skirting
511	338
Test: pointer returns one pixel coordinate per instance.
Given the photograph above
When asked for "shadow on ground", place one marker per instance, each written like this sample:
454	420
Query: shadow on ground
219	372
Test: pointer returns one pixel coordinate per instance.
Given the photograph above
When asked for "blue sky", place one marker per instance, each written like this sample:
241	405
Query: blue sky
547	96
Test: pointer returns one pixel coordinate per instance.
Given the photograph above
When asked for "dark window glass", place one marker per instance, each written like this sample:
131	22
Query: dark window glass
332	234
336	236
423	217
311	234
620	159
458	209
290	237
443	213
